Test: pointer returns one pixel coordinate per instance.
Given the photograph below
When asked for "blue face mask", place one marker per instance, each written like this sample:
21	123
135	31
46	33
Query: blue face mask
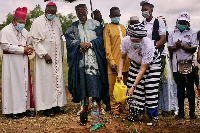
135	45
50	17
115	20
182	27
20	27
81	22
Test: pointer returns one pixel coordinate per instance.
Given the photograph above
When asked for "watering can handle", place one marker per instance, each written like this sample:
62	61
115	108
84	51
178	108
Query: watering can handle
121	81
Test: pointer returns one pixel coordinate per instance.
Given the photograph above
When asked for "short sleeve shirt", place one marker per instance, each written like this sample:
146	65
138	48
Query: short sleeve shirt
143	54
188	38
162	30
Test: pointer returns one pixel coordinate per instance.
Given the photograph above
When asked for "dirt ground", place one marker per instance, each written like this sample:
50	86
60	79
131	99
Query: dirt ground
69	123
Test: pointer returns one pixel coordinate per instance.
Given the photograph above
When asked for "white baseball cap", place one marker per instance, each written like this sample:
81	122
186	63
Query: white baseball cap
146	1
134	18
184	16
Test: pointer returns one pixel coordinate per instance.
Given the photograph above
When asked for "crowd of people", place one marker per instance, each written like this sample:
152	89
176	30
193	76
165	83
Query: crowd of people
156	66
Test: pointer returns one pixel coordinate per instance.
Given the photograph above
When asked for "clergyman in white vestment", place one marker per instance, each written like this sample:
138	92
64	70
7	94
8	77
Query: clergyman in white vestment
49	87
17	95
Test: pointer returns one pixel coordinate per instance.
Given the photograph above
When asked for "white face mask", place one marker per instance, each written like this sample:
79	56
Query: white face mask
146	14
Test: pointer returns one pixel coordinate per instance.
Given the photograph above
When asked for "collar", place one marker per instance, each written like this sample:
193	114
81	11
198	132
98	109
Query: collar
15	30
115	24
151	22
83	23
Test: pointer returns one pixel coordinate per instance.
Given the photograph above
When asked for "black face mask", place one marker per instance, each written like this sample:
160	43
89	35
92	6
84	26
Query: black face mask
99	19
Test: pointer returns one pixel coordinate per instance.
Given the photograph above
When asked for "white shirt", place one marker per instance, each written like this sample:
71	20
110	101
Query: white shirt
189	38
162	30
143	54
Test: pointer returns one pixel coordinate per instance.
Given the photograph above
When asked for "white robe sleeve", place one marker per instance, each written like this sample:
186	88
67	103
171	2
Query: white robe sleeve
12	48
37	34
6	46
39	49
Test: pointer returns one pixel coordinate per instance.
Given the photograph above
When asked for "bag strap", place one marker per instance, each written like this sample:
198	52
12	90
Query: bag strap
142	22
167	34
155	33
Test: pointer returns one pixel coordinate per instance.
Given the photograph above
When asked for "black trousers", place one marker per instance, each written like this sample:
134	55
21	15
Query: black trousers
196	78
185	81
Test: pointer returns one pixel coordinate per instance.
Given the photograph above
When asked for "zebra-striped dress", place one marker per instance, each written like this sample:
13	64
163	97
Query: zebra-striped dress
146	92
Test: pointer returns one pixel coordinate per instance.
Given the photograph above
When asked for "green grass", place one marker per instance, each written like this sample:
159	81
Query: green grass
65	70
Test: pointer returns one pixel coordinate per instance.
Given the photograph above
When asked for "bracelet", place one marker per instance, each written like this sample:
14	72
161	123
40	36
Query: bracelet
133	87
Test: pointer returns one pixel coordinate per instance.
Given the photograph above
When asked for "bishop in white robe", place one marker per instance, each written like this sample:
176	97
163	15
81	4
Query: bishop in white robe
46	37
16	79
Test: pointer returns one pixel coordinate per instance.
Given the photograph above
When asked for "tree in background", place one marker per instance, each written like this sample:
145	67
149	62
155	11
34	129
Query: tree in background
103	23
66	21
8	20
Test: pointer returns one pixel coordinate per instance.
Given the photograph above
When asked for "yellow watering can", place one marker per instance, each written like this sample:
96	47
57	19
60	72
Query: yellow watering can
120	91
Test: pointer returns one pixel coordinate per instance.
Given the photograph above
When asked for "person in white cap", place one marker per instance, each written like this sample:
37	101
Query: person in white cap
182	42
134	20
156	29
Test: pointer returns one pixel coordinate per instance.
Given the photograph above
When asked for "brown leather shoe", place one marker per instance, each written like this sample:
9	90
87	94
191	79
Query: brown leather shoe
85	109
123	111
115	112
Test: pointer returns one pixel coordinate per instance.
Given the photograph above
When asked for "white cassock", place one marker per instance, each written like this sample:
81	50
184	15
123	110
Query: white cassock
15	74
49	87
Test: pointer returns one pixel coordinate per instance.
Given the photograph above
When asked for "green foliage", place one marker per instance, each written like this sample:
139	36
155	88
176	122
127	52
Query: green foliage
103	23
36	12
28	22
66	21
8	20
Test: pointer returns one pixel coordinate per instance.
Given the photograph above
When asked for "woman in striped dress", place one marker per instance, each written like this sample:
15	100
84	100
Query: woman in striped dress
144	73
